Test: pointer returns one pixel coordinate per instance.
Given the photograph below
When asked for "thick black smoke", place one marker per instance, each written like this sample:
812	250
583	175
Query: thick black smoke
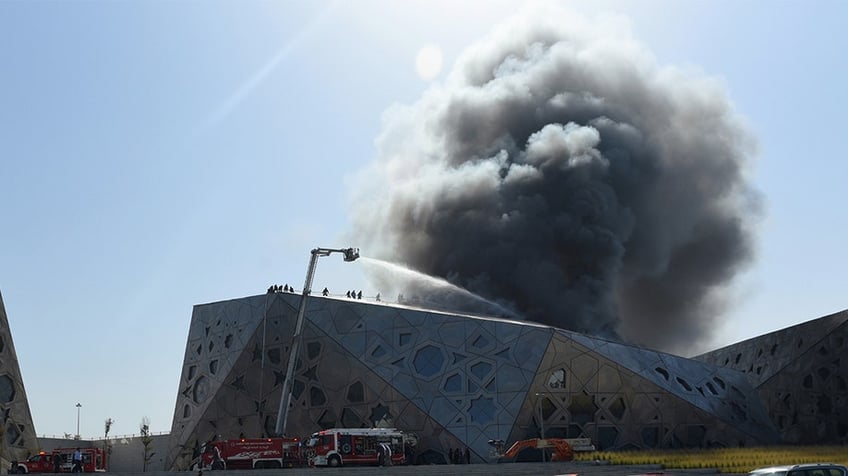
559	171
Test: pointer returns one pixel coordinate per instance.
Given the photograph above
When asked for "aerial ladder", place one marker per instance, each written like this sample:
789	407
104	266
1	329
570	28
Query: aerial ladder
350	254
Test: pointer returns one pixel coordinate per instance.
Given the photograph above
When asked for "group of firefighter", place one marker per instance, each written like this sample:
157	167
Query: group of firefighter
457	456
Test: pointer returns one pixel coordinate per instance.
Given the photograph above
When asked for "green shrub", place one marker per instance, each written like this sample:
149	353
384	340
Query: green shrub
725	460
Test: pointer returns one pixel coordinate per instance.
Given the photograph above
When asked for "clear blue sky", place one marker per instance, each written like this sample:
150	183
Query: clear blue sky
156	155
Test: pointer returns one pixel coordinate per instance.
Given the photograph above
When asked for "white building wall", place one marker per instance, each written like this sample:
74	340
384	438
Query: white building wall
127	452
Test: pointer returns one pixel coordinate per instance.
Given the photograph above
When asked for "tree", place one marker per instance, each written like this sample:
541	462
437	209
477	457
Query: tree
107	446
146	441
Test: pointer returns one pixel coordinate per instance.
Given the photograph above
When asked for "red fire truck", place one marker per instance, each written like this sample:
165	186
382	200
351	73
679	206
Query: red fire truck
93	460
358	446
251	453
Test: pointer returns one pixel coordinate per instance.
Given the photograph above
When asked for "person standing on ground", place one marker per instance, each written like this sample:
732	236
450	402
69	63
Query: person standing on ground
77	459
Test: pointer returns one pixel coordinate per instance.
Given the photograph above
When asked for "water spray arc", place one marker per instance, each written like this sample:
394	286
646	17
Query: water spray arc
350	254
408	278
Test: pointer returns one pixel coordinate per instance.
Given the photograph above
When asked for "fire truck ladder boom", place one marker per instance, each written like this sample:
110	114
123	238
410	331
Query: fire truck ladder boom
350	254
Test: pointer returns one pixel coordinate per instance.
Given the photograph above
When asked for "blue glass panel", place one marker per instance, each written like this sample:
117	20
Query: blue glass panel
481	369
428	361
453	383
482	410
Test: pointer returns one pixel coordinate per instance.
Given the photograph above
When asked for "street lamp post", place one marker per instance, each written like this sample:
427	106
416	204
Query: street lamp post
79	405
541	421
350	254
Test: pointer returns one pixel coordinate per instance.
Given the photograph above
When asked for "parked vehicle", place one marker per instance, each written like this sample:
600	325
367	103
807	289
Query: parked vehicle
813	469
43	462
358	446
93	461
251	453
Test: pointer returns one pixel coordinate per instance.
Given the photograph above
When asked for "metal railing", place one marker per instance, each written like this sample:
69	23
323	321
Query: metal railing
101	438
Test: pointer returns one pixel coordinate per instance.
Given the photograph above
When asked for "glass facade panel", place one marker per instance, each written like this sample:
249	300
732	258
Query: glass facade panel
429	360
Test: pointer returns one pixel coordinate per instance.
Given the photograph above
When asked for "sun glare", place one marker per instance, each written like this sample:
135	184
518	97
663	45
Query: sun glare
428	63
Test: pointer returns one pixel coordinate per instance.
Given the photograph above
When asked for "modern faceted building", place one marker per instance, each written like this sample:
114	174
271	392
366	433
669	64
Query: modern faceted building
454	380
459	381
801	375
17	434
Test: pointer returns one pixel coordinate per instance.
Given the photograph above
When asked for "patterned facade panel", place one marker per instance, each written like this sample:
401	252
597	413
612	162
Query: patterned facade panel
233	361
579	392
332	386
455	381
17	433
725	393
461	371
808	400
801	375
642	363
762	357
346	392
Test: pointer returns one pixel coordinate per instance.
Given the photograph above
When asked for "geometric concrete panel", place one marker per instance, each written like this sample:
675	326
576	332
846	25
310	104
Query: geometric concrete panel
719	391
462	371
454	380
342	378
582	391
17	433
765	355
801	376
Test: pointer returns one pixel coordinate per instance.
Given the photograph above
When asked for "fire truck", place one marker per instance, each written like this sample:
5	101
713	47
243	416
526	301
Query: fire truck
251	453
358	446
93	461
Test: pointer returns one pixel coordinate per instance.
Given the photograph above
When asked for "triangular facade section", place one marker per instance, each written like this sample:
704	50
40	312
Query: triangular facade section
582	393
17	432
334	386
764	356
724	393
801	375
469	374
222	336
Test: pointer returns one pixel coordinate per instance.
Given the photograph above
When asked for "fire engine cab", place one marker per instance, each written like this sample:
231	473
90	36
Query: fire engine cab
251	453
93	460
358	446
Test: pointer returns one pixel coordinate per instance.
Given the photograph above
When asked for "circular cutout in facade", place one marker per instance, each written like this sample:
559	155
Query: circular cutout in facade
201	389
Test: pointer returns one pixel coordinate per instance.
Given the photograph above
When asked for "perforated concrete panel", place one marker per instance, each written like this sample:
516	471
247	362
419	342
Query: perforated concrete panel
801	375
17	434
455	381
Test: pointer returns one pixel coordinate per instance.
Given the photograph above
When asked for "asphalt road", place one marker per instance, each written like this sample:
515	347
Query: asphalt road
507	469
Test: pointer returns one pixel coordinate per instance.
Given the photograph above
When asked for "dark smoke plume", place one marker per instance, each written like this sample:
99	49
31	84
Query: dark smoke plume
560	172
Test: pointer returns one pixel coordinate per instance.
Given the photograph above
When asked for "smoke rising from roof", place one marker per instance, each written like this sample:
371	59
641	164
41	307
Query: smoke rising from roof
561	172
